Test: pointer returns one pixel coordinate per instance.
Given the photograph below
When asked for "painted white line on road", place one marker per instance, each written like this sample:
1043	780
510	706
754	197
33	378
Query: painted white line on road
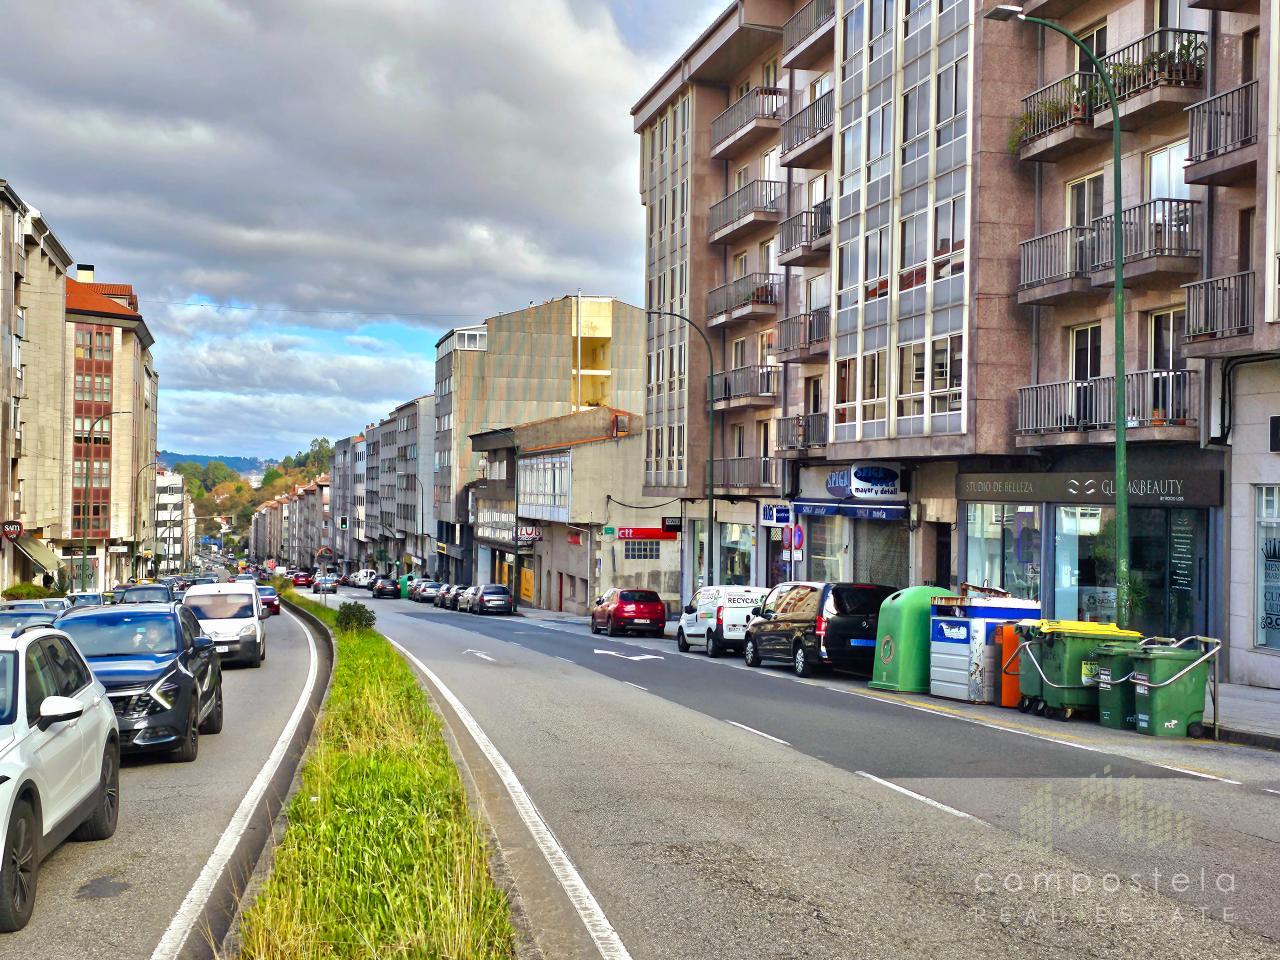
1196	773
758	733
1269	790
589	910
922	798
807	683
479	653
643	656
175	937
636	685
566	660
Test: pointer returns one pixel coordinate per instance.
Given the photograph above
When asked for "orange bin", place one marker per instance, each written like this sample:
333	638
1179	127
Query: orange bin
1007	640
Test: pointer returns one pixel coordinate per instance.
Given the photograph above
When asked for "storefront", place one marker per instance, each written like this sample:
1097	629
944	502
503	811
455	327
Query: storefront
1051	537
737	548
781	559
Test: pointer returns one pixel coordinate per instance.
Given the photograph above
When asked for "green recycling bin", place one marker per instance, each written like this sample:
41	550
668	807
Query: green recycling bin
1030	686
902	641
1176	709
1069	666
1115	685
405	580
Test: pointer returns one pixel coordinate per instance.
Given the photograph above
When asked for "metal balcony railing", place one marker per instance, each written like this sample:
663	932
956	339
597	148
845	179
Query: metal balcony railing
805	22
1223	123
1055	256
756	104
757	380
1152	398
806	227
1157	228
1221	306
802	431
1163	57
809	122
1066	101
804	329
749	472
763	288
758	195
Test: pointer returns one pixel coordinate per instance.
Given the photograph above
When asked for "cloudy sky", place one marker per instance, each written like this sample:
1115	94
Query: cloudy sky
307	193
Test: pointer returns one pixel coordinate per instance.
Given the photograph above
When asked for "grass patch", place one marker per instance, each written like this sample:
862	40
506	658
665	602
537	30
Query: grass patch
382	857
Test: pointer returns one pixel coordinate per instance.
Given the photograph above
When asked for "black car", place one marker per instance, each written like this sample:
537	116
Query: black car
385	587
812	625
492	598
146	593
161	673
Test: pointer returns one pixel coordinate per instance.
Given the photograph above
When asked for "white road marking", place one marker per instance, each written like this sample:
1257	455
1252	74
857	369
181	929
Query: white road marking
758	733
1269	790
566	660
922	798
1194	773
479	653
589	910
636	685
175	936
643	656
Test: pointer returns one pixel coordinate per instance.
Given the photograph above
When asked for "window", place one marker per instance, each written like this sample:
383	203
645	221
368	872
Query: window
737	441
953	100
845	409
641	549
875	385
1164	173
1086	352
1168	329
1002	545
738	354
947	377
1249	45
1247	223
1084	200
915	121
881	16
913	232
949	230
1095	38
769	74
876	263
740	265
1267	578
42	682
910	379
764	345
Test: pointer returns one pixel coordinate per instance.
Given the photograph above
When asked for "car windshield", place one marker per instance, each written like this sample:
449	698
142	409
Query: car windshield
859	601
266	591
11	620
86	599
120	633
430	585
8	687
638	596
24	605
496	588
147	595
221	606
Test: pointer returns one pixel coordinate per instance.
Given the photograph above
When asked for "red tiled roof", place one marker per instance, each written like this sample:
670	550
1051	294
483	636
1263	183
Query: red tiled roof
115	290
83	298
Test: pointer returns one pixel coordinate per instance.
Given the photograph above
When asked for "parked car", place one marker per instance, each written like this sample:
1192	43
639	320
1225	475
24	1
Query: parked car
640	611
150	593
814	625
232	614
466	600
12	621
363	578
385	587
492	598
442	593
23	605
717	618
325	584
160	672
59	761
270	600
455	596
302	579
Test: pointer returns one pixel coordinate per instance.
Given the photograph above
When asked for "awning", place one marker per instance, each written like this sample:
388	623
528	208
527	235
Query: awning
850	508
38	553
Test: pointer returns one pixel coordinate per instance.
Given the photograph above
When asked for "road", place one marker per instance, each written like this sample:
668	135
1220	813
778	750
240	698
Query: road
718	811
115	899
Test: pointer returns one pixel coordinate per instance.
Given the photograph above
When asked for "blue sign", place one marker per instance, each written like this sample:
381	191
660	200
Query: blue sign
208	541
778	513
866	481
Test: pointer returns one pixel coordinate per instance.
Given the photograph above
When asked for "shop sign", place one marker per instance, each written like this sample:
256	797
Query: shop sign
673	524
644	533
12	529
775	514
1269	590
793	556
1191	488
866	481
529	534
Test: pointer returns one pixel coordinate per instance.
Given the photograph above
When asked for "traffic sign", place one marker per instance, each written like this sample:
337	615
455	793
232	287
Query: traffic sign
797	537
609	531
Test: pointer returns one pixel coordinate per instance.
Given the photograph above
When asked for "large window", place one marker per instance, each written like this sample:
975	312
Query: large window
1002	547
641	549
1267	577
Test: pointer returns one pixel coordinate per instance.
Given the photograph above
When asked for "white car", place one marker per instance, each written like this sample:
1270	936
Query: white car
362	578
717	617
59	760
232	614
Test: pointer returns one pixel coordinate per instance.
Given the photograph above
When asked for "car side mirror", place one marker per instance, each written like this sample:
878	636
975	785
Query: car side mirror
599	600
202	643
691	609
58	710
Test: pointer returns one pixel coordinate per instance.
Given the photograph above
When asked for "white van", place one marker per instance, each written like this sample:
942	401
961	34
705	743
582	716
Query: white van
362	578
232	614
717	618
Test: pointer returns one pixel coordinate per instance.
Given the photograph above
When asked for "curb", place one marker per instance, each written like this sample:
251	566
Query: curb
1247	738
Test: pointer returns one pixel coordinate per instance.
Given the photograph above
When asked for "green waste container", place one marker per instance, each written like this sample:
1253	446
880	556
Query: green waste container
1065	656
1115	685
1030	686
1174	710
405	580
902	641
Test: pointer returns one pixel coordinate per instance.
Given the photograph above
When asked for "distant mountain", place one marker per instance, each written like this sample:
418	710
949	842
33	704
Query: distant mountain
238	464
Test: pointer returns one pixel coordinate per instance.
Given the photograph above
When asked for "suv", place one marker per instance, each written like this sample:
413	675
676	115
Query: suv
385	587
717	617
620	610
59	763
232	614
814	624
160	671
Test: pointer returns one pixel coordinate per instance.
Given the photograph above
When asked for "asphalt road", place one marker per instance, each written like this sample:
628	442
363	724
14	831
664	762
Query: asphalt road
115	899
717	811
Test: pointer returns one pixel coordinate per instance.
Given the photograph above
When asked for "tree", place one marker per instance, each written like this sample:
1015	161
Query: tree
216	473
287	464
269	478
320	455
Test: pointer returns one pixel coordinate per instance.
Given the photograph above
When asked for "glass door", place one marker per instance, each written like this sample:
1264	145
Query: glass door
1169	397
1086	369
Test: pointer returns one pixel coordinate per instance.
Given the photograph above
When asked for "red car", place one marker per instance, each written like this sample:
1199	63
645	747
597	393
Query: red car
618	611
270	600
302	579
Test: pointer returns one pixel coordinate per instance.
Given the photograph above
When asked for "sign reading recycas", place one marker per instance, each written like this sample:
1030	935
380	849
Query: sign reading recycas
12	529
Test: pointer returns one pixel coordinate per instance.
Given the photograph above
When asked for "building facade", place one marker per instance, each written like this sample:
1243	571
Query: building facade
170	543
342	503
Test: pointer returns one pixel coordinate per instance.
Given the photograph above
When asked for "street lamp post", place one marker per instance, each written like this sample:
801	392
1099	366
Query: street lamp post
1007	12
711	438
88	486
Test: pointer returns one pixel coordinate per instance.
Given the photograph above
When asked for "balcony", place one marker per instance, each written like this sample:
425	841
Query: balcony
1048	8
1054	268
806	137
1160	74
1161	244
809	36
1160	405
749	473
747	298
751	118
806	238
1224	138
1220	307
802	432
745	211
1056	120
752	386
805	336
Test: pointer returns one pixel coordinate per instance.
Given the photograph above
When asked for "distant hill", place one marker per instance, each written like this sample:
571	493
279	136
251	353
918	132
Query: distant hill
238	464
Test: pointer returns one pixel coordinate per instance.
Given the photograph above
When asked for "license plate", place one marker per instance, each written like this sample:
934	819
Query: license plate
222	649
639	621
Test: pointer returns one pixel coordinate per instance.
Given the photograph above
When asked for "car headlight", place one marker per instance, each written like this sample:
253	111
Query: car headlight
165	690
250	631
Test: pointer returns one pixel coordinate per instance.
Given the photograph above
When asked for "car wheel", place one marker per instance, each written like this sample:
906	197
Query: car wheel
610	629
262	648
592	624
681	643
713	644
253	660
801	663
750	654
19	869
102	824
213	723
189	749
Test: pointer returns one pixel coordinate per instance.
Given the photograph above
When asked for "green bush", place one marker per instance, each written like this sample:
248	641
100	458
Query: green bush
355	616
25	591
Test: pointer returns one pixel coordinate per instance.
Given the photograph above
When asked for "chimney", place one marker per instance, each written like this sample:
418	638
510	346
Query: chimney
84	272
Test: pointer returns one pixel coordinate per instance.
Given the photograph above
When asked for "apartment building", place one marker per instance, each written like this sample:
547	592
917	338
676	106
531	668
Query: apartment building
170	542
550	359
415	442
342	504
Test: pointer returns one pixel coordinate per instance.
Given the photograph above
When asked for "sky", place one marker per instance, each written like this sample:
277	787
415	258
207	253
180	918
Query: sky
306	194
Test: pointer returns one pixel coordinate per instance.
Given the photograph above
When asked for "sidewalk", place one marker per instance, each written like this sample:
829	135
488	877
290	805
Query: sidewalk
1249	715
533	613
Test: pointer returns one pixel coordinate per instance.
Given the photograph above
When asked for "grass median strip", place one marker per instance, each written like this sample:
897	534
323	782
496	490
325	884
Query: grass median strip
382	858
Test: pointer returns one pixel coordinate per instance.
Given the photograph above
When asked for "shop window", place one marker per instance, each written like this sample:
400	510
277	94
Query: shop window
1002	547
640	549
1267	575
